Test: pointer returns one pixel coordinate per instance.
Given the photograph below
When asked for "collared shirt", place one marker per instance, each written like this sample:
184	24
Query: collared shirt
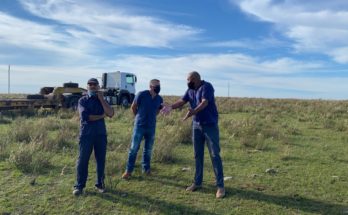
147	108
90	105
209	115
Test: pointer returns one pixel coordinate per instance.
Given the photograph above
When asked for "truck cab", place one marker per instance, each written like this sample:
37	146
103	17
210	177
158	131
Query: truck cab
119	87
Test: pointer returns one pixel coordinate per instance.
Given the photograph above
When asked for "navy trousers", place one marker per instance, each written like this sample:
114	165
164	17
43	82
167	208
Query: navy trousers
87	144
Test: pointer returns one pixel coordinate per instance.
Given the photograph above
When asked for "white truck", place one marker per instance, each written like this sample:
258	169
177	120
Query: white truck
119	87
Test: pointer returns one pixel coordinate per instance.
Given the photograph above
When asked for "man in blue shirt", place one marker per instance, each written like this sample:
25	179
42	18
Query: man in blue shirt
92	109
145	107
200	95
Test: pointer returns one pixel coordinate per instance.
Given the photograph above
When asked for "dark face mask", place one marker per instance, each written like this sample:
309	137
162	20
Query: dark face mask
191	85
157	89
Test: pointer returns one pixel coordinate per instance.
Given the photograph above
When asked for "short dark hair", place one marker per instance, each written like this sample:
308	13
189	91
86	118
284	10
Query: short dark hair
93	80
195	74
154	80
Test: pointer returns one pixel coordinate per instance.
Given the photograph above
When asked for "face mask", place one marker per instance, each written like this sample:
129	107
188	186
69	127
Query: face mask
191	85
157	89
92	93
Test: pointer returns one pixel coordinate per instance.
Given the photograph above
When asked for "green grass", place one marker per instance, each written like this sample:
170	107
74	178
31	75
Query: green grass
305	141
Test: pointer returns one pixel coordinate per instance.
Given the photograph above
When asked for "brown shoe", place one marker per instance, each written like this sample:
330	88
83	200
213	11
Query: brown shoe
126	175
193	187
220	193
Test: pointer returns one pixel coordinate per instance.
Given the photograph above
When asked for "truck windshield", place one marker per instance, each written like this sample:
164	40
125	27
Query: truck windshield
129	79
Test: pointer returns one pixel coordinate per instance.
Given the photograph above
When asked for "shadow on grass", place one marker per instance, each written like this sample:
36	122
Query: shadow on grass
290	158
150	205
295	202
165	180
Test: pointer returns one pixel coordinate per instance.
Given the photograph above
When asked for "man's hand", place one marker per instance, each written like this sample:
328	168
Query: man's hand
108	110
100	95
189	113
166	109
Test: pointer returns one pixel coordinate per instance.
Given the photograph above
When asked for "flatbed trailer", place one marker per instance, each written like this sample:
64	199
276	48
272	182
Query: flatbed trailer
10	104
49	97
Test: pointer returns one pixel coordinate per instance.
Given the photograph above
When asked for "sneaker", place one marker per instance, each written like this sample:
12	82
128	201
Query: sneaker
220	193
193	187
126	175
77	192
100	189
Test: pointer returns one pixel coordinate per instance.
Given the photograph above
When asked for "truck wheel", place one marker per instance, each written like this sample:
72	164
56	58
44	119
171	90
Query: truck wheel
71	85
124	101
74	102
71	102
35	96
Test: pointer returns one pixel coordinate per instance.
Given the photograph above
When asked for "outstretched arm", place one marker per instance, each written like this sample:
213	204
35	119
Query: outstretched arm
178	104
168	108
200	107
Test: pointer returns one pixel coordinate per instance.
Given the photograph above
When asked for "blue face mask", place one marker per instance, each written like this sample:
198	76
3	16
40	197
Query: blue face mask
91	93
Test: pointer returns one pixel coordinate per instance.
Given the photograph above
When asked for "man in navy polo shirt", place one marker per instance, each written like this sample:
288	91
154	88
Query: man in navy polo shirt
92	109
200	95
145	107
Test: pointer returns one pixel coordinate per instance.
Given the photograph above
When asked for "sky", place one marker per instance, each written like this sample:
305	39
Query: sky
245	48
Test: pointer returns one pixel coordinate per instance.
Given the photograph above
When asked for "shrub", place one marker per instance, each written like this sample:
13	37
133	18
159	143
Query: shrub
29	159
165	145
183	134
4	153
23	130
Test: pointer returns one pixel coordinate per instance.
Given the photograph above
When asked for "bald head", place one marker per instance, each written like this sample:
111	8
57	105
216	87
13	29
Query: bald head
193	80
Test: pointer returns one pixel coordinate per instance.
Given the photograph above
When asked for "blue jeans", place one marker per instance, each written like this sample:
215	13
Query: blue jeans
139	132
210	135
87	144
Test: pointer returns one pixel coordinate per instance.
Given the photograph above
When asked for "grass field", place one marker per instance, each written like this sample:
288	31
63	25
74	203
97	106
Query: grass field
302	144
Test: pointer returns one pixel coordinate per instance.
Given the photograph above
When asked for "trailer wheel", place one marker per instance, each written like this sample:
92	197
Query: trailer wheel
71	85
125	101
71	102
35	96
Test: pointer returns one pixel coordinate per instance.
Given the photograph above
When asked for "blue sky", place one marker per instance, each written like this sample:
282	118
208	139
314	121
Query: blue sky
260	48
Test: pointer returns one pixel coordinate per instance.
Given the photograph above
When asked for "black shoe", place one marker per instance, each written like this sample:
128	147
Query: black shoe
100	188
77	192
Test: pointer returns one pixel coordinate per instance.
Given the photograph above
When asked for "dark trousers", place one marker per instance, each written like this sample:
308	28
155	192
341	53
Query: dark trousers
210	135
87	144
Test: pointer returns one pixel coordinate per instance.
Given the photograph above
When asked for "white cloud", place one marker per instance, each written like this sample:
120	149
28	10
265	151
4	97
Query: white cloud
248	76
30	35
340	54
29	78
315	26
111	24
261	43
